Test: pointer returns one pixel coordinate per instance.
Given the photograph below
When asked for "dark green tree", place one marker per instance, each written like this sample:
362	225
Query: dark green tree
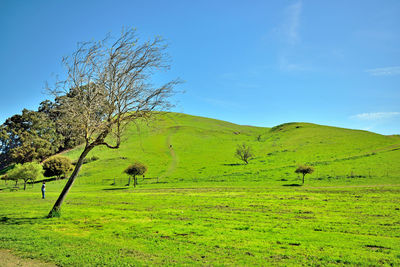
133	170
304	169
28	137
71	137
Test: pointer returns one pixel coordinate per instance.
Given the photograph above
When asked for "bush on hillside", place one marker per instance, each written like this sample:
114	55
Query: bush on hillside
87	160
57	166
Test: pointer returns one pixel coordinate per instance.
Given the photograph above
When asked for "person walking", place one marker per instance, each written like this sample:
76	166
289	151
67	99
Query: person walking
43	189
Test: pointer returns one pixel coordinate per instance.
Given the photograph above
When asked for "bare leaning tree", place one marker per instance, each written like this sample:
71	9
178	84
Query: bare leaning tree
107	86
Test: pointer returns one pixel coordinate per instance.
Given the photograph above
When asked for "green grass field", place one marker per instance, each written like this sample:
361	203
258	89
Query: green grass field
209	209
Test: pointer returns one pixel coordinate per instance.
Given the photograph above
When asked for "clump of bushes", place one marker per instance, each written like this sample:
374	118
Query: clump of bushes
87	160
57	166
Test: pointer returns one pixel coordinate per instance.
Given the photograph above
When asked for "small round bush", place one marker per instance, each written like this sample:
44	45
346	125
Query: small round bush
57	166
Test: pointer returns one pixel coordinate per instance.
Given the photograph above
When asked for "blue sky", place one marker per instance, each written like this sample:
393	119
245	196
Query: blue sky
249	62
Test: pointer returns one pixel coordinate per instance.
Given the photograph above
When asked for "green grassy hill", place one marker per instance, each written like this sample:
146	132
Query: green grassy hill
184	148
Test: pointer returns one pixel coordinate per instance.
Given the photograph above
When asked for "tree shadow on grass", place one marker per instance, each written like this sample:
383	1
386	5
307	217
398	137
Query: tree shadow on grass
291	185
232	164
117	188
18	221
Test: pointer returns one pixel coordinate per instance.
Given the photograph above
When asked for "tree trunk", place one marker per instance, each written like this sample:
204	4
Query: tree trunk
303	177
129	181
57	206
25	184
134	181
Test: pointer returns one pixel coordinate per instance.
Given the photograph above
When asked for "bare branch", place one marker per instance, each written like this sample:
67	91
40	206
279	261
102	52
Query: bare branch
107	86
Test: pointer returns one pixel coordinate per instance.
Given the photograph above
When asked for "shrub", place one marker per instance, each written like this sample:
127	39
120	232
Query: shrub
87	160
57	166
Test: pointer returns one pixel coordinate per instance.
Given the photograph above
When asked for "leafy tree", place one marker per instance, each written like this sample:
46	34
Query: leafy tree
28	137
14	178
244	153
304	169
133	170
70	137
28	171
5	178
57	166
36	135
107	86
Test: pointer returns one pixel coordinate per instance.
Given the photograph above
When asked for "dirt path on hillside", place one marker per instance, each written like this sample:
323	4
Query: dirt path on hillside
7	259
387	148
174	161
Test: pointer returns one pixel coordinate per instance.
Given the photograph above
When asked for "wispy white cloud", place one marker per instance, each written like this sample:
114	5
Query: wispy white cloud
292	22
388	71
368	128
289	31
375	116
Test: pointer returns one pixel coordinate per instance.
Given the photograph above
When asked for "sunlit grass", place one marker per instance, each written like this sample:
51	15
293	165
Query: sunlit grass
229	224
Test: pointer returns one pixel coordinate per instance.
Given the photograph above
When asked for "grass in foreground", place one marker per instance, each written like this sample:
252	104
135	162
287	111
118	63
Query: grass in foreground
199	224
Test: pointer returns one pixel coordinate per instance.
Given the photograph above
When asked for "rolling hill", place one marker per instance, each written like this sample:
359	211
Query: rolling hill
185	148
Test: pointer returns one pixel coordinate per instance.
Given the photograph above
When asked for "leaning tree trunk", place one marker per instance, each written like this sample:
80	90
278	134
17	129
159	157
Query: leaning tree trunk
57	206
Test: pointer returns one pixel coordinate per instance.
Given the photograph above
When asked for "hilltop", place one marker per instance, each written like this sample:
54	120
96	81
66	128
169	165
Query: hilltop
181	147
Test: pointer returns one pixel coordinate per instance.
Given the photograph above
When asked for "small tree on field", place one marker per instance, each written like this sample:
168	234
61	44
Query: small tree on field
28	171
304	169
11	177
57	166
5	178
244	153
133	170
